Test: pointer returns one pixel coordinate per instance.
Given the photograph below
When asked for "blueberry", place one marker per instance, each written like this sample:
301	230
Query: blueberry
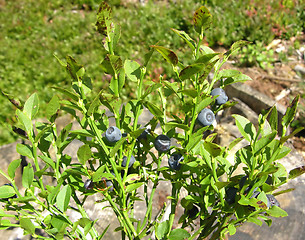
242	181
109	185
113	134
106	183
174	161
272	201
255	194
131	162
192	213
222	96
162	143
143	135
88	185
230	195
206	117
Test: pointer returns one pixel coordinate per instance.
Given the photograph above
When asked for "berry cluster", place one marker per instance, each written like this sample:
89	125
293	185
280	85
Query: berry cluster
162	143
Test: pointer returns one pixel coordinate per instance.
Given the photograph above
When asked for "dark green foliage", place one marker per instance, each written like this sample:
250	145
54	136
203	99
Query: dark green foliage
222	199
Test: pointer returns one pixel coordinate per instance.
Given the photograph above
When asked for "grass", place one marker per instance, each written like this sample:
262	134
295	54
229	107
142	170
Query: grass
32	31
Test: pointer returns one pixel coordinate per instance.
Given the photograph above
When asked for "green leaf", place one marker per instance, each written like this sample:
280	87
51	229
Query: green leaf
284	139
276	211
75	69
202	19
117	146
97	175
296	172
290	112
235	46
151	89
82	132
104	19
6	191
154	109
63	198
67	93
264	141
178	234
273	120
132	70
237	78
94	104
204	103
189	92
121	79
168	54
103	233
228	73
255	220
52	107
162	230
25	121
112	65
12	168
31	106
232	229
191	70
84	154
27	176
171	125
133	186
245	127
27	225
24	150
132	177
283	152
190	42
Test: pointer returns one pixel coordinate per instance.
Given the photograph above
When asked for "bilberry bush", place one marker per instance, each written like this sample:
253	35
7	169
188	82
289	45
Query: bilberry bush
218	196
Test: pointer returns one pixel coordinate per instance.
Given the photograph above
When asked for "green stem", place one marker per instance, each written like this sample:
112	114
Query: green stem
174	201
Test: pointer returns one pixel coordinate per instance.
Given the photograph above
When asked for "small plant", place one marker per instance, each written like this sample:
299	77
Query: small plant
218	195
256	55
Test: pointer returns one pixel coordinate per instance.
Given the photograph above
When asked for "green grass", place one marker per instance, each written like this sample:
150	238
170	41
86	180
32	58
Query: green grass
33	30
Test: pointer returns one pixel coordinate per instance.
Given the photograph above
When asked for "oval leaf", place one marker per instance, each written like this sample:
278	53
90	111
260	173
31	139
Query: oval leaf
132	70
296	172
162	230
168	54
12	168
202	19
31	106
6	191
63	198
191	70
84	154
27	176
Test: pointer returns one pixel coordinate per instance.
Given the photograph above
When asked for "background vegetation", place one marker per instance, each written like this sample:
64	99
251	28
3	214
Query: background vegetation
32	31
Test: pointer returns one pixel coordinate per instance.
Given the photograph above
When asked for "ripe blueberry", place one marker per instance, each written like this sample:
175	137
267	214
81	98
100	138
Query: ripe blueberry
230	195
88	185
113	134
192	213
162	143
143	135
242	181
131	161
272	201
105	183
206	117
222	96
174	161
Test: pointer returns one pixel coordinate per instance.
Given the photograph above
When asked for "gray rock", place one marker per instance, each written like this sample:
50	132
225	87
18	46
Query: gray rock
300	69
